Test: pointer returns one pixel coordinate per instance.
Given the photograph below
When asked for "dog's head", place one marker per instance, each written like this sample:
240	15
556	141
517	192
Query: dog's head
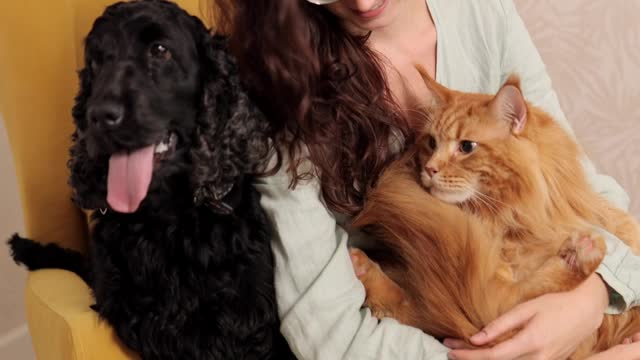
159	96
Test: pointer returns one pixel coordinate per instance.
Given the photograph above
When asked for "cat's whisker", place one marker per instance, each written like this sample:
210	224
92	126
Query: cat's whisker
486	204
485	199
479	203
494	207
492	198
485	196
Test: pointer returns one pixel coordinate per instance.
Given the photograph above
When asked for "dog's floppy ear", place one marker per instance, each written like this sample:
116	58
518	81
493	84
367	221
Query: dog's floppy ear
232	133
87	176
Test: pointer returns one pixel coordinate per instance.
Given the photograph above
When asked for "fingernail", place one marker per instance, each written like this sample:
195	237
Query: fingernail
447	343
482	335
626	341
452	356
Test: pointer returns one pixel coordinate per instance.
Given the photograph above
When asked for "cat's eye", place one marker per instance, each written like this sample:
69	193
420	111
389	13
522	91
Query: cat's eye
432	143
466	146
160	51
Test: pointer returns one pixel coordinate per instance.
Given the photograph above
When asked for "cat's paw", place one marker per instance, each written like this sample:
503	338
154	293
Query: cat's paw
361	263
383	296
583	251
380	312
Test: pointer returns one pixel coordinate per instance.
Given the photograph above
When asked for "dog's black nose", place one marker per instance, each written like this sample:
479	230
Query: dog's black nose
108	115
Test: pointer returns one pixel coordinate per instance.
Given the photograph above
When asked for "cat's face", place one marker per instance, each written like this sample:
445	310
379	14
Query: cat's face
468	150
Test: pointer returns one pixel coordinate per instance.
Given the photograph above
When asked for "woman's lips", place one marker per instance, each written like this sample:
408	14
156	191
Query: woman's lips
370	14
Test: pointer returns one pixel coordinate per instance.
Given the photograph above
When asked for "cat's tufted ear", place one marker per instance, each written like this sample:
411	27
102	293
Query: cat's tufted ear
440	94
509	105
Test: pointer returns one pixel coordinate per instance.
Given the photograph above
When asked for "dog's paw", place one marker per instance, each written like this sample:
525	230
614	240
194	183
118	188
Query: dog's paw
583	251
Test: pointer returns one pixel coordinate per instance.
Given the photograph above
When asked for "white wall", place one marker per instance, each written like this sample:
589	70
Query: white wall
14	339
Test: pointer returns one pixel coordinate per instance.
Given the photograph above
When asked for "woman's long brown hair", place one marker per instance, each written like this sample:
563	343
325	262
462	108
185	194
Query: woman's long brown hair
319	86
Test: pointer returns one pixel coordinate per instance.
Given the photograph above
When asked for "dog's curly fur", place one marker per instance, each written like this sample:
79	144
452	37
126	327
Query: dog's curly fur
189	275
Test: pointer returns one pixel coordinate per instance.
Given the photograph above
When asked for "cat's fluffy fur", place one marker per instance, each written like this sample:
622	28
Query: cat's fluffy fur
513	219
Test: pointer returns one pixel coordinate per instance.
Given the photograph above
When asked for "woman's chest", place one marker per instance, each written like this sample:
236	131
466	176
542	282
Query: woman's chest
405	81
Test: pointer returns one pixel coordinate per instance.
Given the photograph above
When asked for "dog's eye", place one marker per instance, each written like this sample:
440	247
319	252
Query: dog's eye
160	51
93	65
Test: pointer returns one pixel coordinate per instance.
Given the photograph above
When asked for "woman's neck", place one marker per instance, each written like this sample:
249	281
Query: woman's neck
408	41
410	25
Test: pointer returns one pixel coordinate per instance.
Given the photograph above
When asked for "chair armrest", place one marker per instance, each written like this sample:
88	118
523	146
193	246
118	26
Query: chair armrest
62	325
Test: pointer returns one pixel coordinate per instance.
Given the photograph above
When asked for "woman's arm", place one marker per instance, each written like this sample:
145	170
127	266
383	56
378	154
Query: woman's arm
319	297
620	268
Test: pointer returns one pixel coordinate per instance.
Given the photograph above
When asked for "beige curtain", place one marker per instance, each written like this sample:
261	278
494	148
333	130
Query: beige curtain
592	52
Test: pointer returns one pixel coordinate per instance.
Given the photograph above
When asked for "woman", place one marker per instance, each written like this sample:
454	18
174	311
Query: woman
337	79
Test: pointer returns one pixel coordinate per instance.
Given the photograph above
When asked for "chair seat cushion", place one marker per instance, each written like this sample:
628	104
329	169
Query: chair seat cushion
59	315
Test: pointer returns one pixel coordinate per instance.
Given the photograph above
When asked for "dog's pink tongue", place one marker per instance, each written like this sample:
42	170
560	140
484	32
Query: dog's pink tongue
129	179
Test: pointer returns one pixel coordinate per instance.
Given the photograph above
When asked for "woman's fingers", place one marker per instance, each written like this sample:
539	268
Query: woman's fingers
457	344
511	320
507	350
634	339
619	352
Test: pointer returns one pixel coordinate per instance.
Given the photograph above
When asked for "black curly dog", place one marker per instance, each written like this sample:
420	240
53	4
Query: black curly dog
166	144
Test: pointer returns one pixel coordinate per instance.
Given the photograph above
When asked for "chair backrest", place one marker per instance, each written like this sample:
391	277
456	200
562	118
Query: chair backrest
40	53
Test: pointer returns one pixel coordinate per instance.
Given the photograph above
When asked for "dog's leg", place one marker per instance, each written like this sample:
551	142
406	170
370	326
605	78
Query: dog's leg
36	256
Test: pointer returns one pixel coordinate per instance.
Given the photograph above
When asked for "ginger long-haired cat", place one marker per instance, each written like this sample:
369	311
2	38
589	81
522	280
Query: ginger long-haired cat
491	208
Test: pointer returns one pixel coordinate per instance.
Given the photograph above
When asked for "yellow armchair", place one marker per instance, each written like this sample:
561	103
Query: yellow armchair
40	52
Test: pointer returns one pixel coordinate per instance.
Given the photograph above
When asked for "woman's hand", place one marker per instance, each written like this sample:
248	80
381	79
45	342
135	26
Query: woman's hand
551	326
628	350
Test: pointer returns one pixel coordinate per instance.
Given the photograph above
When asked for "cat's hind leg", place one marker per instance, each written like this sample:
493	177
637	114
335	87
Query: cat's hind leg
578	257
583	251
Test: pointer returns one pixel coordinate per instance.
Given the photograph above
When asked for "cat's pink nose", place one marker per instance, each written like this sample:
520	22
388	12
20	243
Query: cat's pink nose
431	170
